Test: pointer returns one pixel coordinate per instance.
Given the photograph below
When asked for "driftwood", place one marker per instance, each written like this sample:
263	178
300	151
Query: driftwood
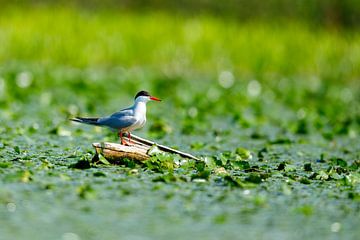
138	150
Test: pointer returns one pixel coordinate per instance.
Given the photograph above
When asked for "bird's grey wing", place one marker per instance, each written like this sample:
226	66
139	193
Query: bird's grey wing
117	122
123	112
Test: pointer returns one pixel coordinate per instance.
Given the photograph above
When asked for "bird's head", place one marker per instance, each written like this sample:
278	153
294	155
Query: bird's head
144	96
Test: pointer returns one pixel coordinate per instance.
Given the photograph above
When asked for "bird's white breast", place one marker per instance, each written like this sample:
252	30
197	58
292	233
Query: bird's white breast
140	115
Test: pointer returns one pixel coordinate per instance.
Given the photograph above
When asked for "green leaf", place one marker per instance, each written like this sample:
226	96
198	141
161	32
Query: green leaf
232	181
81	164
304	180
154	150
307	167
17	149
167	178
254	178
241	164
99	174
5	164
322	175
86	192
338	162
205	174
243	153
103	160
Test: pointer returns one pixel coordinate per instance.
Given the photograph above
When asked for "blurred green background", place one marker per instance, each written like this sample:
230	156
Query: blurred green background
112	49
279	78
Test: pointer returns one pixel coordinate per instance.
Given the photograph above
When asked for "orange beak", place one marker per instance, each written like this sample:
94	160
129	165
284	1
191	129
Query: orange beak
155	99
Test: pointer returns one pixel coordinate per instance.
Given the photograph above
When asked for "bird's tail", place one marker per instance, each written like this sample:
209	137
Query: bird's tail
91	121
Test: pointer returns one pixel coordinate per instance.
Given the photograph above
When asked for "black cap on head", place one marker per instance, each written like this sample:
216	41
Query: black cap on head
142	93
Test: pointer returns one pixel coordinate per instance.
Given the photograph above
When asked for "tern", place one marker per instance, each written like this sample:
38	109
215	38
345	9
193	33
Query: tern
126	120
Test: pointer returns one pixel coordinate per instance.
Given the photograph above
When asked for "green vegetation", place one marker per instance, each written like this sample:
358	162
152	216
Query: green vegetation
271	107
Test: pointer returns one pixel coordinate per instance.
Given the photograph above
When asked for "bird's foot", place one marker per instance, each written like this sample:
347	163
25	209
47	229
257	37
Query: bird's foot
129	144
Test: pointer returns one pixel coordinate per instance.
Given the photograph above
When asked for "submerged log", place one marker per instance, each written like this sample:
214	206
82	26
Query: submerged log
138	150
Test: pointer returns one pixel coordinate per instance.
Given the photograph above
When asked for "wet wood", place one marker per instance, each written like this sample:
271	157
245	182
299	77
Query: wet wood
138	150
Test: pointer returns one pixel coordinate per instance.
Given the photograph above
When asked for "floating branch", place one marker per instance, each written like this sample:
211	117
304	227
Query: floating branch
138	150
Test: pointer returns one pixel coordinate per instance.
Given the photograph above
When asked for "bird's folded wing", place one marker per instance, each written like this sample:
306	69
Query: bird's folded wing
117	122
122	113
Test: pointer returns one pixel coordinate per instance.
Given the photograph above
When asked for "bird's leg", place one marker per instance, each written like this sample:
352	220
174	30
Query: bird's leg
123	142
120	134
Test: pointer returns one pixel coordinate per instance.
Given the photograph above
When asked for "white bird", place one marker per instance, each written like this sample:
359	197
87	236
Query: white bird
126	120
